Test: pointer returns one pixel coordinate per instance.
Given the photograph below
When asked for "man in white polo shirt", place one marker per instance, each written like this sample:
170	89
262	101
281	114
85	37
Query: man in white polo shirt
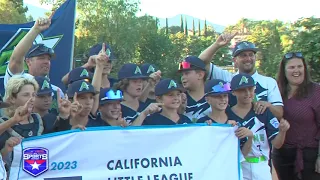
244	55
37	57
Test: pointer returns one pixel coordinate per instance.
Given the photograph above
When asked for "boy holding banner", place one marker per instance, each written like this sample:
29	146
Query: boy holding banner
168	93
265	127
217	95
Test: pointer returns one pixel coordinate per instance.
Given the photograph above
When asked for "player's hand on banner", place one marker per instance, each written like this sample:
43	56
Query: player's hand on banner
243	132
284	125
11	142
232	122
261	106
225	38
79	126
209	122
23	112
64	106
152	108
76	107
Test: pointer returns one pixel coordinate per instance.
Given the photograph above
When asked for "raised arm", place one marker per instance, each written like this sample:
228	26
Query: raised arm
207	55
19	52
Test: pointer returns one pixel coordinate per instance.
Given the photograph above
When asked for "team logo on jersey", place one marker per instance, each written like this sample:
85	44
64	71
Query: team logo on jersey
35	161
274	122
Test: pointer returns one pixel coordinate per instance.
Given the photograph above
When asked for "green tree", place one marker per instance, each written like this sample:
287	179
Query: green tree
306	39
181	26
12	12
193	28
186	26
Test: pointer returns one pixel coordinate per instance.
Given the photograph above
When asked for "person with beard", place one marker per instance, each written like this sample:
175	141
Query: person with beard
131	84
193	79
38	58
109	109
94	52
266	128
168	93
299	157
42	105
244	56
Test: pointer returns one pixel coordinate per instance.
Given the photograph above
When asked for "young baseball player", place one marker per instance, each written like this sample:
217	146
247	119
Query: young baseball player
217	95
168	93
266	128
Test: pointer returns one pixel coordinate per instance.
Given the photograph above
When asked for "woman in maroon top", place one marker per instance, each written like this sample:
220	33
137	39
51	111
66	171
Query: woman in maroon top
299	157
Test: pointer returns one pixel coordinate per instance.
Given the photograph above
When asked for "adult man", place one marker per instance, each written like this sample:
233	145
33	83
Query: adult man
244	56
37	56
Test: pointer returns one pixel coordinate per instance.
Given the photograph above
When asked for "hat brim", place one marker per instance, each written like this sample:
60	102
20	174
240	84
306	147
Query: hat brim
79	93
137	77
216	93
181	89
242	87
103	102
4	105
51	55
190	69
255	50
44	93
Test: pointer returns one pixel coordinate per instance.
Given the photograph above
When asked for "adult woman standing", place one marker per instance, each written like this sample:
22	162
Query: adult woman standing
299	157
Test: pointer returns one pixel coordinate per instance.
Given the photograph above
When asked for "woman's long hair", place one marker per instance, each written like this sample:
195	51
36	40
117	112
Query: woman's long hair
13	88
303	89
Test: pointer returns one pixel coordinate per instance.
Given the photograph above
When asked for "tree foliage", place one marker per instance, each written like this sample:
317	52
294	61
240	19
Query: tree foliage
12	12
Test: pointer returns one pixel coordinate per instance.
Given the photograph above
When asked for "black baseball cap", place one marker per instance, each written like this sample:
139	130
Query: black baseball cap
244	46
192	63
216	87
80	73
95	49
45	86
109	94
40	49
148	69
242	80
131	71
167	85
80	87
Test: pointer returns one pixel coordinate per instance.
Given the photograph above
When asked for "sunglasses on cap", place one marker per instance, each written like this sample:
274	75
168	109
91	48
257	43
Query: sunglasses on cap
184	65
293	54
42	48
113	95
219	88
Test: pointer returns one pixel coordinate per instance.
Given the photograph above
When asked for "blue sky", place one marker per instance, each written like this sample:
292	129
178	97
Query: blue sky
225	12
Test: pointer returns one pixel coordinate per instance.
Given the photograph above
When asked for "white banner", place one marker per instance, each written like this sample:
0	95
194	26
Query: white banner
181	152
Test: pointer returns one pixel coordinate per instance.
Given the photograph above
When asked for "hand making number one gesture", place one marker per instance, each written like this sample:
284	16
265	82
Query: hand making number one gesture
64	106
23	112
42	24
76	107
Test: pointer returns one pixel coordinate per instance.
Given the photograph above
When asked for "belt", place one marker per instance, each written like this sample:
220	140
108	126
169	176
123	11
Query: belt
255	159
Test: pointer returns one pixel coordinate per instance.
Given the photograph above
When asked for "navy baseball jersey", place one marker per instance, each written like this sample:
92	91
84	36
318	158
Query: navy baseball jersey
159	119
264	128
129	114
97	122
196	109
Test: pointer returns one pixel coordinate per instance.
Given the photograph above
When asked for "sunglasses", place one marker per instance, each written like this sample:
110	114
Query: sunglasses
219	88
113	95
184	65
293	54
42	48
